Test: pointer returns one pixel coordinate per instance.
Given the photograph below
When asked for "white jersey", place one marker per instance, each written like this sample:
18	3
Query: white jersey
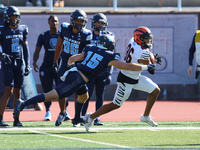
128	80
133	54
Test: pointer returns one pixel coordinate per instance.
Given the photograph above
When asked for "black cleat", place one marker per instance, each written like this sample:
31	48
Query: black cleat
17	124
17	110
60	119
3	124
97	122
77	123
67	116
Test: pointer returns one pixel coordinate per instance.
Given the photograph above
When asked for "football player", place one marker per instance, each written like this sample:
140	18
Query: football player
137	52
73	38
99	26
13	40
95	60
48	74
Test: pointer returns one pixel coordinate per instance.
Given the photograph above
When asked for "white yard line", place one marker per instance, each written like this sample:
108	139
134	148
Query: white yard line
78	139
95	129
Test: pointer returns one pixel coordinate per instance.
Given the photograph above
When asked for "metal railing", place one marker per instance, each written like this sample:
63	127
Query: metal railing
179	5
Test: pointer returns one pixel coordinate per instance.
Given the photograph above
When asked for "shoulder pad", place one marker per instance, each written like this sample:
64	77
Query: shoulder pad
87	31
89	37
111	33
65	24
24	26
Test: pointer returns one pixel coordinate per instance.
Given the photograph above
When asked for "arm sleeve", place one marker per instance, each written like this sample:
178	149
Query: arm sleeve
26	52
192	51
26	55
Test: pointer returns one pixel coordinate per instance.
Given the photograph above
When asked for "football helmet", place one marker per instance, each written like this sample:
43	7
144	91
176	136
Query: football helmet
78	14
143	37
11	11
106	41
99	17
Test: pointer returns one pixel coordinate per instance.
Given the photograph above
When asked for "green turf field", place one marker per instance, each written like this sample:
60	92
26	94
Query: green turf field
113	135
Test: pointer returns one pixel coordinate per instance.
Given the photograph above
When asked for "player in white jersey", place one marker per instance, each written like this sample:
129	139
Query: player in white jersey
137	52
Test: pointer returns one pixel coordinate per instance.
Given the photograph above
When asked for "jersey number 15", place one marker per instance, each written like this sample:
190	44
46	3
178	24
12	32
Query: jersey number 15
92	60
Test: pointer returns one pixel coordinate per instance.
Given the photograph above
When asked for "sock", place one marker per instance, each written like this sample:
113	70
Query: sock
47	106
78	107
16	119
36	99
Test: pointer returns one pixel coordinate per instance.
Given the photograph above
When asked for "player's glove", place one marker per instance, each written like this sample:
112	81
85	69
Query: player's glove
6	58
158	59
151	68
27	70
107	80
55	66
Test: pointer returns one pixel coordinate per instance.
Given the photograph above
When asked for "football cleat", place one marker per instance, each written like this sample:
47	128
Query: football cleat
97	122
77	123
88	122
47	116
17	110
67	116
60	119
147	119
17	124
3	124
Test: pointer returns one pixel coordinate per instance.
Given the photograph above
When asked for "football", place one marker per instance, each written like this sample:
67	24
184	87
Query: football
152	58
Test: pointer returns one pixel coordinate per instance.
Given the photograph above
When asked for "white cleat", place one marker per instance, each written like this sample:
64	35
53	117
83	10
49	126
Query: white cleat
88	122
147	119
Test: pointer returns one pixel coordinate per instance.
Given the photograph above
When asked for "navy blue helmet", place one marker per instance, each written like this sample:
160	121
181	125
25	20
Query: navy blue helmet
11	11
106	41
99	17
78	14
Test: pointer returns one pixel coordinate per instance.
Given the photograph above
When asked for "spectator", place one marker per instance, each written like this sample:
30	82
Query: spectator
59	3
38	3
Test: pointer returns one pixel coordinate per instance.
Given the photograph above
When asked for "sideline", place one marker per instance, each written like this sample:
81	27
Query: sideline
96	129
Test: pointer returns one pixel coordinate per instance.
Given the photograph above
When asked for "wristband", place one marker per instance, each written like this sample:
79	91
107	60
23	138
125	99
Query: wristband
144	67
